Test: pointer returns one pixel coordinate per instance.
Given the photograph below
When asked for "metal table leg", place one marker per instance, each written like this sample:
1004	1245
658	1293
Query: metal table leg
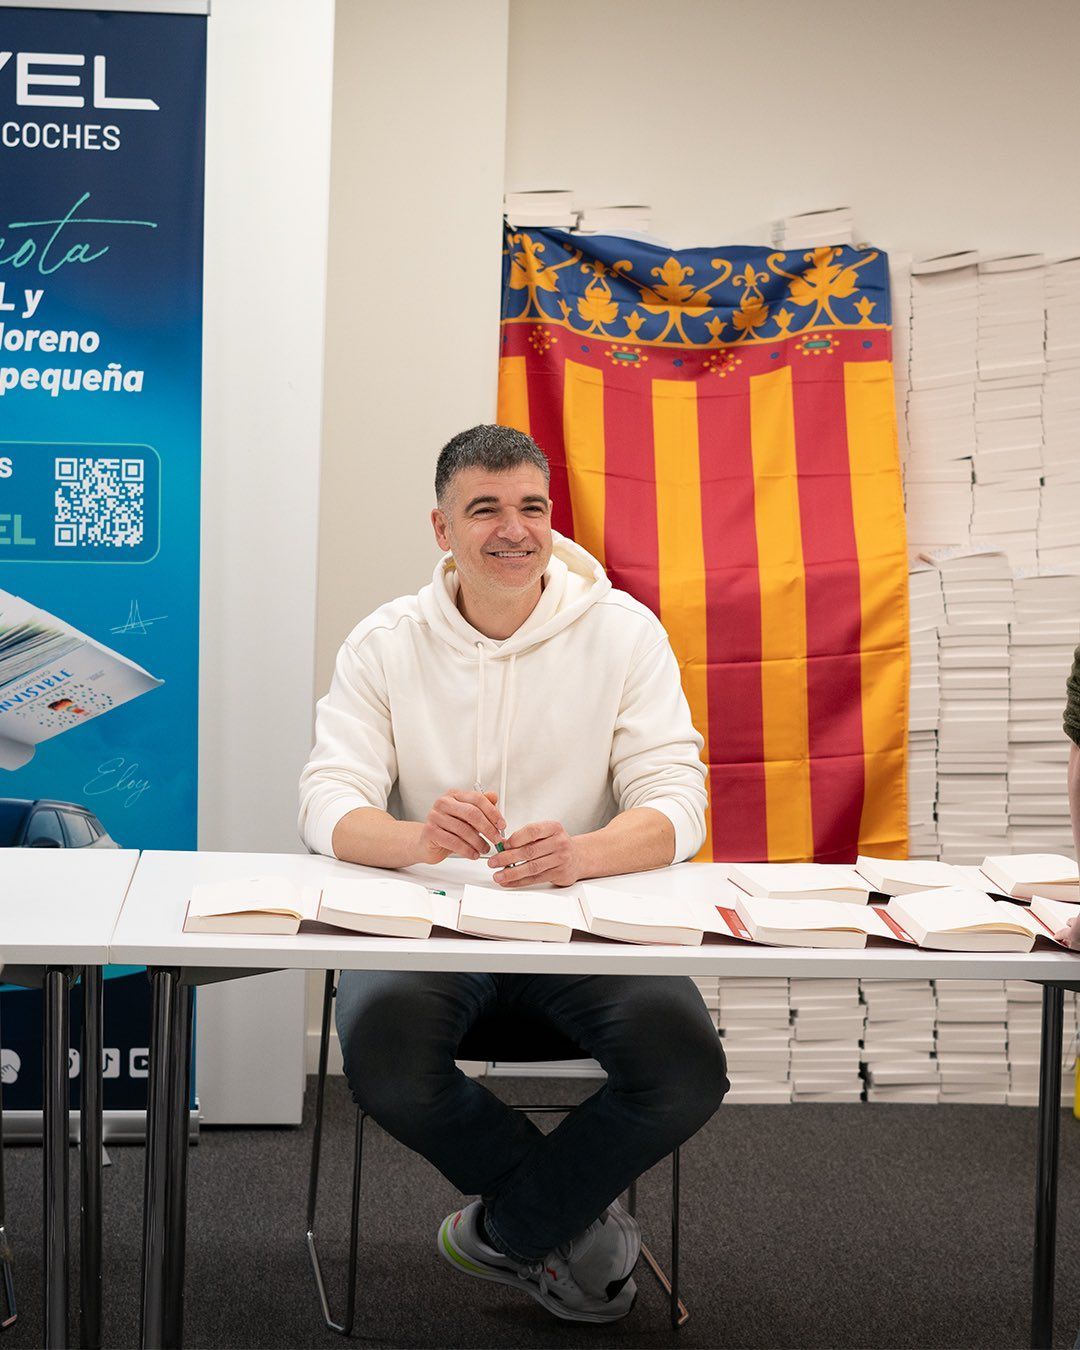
11	1313
90	1135
1042	1291
55	1155
155	1193
176	1202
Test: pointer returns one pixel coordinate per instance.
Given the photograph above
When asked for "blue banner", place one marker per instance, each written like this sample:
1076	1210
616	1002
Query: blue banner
102	130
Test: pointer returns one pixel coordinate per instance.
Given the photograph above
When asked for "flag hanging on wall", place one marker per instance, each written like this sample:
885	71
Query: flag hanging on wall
722	436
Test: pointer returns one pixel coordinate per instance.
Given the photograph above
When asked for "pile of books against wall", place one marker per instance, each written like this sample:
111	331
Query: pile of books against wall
898	1043
556	209
927	617
827	1028
815	229
1059	506
753	1017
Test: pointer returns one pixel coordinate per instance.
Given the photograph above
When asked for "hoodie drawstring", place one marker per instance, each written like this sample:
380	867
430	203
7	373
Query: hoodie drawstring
478	786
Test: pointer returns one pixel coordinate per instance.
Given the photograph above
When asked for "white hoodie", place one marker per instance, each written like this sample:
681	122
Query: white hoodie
577	716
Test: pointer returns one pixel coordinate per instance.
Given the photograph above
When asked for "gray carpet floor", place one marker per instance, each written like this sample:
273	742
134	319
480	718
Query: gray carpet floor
806	1226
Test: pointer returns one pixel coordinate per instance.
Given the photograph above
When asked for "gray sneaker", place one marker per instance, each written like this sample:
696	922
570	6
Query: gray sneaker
602	1256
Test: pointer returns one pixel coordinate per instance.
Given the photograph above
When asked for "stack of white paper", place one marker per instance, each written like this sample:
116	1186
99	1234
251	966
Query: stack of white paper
927	615
614	220
900	303
941	400
1023	1032
971	1054
1059	509
898	1042
1008	404
550	208
828	1026
754	1019
1043	638
814	229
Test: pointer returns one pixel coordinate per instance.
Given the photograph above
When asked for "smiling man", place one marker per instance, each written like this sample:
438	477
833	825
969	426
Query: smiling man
518	699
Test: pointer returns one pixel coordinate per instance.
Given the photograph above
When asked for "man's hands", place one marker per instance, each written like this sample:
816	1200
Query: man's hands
538	853
462	824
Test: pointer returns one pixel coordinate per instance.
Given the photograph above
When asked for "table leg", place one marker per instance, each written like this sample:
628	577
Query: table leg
90	1135
176	1205
55	1127
155	1191
1042	1291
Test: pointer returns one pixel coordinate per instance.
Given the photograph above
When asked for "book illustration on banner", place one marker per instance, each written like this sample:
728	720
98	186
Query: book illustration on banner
801	881
1024	875
53	678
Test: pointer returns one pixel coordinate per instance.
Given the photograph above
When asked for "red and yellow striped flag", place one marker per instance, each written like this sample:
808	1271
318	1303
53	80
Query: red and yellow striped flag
722	436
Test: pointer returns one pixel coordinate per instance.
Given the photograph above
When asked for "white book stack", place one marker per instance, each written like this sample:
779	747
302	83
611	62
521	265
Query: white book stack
546	208
828	1022
1008	404
941	400
1043	638
927	615
1023	1032
900	304
1059	508
898	1041
971	1042
753	1017
633	220
815	229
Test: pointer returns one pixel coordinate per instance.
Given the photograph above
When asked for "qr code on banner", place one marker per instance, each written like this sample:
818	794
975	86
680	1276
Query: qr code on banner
99	500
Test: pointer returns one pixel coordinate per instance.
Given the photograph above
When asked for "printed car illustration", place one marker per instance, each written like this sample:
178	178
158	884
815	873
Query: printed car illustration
47	824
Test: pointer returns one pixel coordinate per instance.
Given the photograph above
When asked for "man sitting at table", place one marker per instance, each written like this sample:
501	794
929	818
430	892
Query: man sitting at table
518	666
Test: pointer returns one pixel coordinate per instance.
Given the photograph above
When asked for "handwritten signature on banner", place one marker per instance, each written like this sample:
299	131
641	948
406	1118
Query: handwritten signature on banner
117	775
42	247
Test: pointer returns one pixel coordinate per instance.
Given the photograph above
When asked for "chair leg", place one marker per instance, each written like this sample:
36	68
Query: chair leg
679	1312
344	1327
6	1262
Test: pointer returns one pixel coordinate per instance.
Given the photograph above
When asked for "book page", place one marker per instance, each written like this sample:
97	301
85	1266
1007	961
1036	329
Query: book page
797	877
521	906
954	910
1056	914
253	895
635	907
810	915
377	896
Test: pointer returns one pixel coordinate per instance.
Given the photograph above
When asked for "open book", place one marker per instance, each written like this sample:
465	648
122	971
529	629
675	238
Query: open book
53	678
1026	874
628	916
272	904
800	881
540	916
894	876
958	920
811	923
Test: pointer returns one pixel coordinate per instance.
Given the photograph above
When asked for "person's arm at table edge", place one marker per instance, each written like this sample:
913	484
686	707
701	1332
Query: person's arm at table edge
637	840
375	839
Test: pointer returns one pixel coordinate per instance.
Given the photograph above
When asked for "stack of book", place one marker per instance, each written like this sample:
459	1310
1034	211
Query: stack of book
1023	1035
927	615
1008	404
941	400
1059	509
900	303
898	1042
754	1020
828	1027
815	229
546	208
632	220
971	1046
1041	645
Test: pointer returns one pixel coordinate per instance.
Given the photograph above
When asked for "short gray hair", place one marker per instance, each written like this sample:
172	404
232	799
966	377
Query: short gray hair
487	447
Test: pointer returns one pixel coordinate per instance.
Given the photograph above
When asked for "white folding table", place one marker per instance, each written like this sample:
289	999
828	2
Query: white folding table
58	908
149	932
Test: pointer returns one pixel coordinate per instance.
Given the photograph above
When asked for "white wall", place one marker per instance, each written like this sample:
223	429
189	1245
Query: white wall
943	125
267	200
413	285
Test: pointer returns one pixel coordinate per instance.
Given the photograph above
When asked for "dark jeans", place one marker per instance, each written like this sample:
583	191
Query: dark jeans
399	1032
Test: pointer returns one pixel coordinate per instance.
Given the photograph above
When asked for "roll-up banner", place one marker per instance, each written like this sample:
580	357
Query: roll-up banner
102	129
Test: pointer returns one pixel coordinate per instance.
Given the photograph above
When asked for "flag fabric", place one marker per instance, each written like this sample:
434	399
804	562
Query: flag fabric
721	429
